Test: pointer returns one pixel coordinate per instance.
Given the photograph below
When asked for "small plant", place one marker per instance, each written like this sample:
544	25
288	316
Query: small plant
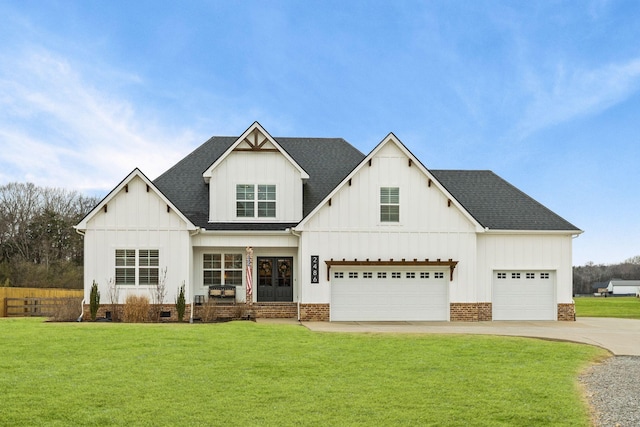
181	303
158	293
94	300
136	309
208	311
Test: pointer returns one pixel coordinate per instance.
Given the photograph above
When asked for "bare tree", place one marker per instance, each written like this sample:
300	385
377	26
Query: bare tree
38	246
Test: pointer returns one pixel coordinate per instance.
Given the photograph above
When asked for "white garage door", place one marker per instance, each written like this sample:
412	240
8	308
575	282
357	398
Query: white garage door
389	294
524	295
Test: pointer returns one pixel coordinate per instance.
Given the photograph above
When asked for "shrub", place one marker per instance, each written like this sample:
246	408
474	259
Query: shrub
94	300
181	304
113	292
136	309
209	311
66	309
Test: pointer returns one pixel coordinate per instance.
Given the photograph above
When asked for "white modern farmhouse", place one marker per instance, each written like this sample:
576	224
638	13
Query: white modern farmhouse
310	228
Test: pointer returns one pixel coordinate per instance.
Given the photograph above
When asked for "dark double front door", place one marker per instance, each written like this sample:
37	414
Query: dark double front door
275	279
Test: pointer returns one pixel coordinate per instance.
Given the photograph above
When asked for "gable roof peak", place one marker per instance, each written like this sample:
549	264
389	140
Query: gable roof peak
254	139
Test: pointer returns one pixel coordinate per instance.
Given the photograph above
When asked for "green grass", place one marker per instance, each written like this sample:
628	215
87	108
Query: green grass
243	373
621	307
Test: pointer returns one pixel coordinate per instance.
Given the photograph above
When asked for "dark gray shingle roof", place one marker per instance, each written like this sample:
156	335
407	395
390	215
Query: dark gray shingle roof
492	201
327	161
498	205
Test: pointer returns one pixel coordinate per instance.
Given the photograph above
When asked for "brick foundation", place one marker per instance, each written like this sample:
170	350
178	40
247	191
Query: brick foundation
115	312
314	312
206	312
566	312
470	311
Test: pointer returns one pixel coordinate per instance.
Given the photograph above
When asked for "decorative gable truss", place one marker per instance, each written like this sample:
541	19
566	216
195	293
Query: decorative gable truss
254	139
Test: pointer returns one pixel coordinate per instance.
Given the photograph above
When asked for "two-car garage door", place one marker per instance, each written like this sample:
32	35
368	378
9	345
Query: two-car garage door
389	294
524	295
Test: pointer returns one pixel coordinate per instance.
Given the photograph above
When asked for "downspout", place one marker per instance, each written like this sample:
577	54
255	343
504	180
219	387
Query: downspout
300	287
81	311
80	232
193	301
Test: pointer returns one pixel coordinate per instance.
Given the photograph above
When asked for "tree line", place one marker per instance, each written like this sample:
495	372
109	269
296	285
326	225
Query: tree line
38	245
585	276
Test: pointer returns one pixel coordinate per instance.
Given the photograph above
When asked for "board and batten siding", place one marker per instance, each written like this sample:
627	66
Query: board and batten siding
255	168
350	227
136	219
522	252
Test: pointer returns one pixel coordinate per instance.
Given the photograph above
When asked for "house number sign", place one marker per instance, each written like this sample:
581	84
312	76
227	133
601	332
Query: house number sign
315	269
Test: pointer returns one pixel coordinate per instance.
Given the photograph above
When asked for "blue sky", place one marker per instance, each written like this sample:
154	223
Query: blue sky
545	94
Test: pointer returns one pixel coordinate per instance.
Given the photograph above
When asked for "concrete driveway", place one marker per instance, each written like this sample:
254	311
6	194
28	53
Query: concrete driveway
619	336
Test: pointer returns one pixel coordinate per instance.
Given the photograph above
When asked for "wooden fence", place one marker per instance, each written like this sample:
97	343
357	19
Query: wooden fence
32	297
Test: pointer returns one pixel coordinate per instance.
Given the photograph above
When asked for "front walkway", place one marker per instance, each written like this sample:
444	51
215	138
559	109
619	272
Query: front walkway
619	336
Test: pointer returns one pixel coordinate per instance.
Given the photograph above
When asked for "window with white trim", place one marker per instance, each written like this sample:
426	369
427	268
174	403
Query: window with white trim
389	204
148	261
266	201
125	266
353	275
396	275
410	275
367	275
424	274
544	275
382	275
502	275
338	275
438	275
222	269
247	200
515	275
145	266
530	275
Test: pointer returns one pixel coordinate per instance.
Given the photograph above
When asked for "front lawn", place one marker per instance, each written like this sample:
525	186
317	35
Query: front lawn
243	373
622	307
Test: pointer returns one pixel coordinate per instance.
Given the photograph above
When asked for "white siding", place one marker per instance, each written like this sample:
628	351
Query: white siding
525	252
350	228
136	219
255	168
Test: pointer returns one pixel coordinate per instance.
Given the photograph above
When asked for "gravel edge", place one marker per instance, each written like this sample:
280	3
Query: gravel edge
612	389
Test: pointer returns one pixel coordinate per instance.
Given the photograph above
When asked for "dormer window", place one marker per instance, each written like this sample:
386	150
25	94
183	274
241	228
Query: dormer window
245	205
247	200
266	201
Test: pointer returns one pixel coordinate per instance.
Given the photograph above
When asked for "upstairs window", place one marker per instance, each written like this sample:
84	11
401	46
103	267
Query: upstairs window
247	200
266	201
389	204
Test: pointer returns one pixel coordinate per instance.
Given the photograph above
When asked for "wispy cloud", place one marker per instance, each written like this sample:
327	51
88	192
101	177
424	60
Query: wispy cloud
573	93
61	128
